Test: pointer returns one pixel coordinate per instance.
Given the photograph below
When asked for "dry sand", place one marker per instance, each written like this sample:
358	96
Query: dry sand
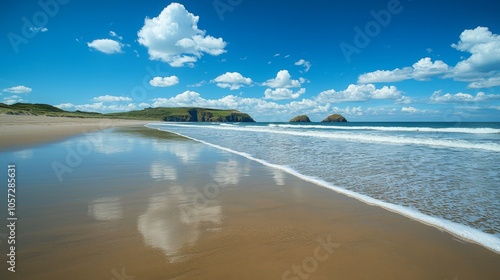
21	131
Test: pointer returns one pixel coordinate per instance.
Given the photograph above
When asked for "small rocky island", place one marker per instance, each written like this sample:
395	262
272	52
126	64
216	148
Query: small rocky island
335	118
301	118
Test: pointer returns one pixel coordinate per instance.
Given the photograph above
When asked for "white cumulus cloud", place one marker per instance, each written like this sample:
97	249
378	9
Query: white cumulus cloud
65	106
185	99
438	97
164	81
425	69
111	98
485	82
13	99
283	80
18	89
354	111
358	92
411	110
98	107
174	37
106	46
232	80
304	63
421	70
283	93
198	84
404	100
280	87
481	69
484	61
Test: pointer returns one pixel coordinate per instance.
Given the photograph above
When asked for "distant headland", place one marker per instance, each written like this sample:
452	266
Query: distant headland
183	114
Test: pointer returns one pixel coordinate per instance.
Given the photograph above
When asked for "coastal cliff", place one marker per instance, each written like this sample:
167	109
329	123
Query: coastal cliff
208	115
188	114
175	114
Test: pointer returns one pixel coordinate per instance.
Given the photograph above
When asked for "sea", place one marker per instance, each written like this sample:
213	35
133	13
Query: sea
445	175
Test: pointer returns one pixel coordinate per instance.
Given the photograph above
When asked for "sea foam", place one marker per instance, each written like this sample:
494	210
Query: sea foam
364	137
478	130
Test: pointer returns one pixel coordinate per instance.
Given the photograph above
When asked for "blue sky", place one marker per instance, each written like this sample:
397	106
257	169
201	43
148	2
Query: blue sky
391	60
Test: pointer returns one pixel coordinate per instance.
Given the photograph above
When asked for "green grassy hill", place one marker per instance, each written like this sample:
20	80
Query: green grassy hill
184	114
42	109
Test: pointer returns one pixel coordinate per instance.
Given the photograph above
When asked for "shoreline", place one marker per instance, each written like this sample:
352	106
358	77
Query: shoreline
264	224
462	232
20	131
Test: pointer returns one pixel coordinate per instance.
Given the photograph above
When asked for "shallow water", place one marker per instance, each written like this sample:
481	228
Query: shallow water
129	183
145	204
440	173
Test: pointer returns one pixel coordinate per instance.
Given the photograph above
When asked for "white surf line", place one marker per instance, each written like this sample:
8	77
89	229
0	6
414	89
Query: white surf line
460	231
468	130
368	138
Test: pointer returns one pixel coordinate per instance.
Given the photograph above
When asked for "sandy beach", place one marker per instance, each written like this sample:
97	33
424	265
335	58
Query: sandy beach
20	131
151	205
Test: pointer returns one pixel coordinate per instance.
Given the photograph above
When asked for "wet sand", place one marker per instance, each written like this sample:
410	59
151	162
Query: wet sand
20	131
164	207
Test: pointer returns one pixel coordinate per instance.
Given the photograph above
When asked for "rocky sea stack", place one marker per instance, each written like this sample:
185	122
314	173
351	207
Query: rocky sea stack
335	118
301	118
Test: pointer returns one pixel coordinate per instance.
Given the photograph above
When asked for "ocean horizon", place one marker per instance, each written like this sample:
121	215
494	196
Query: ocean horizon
442	174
